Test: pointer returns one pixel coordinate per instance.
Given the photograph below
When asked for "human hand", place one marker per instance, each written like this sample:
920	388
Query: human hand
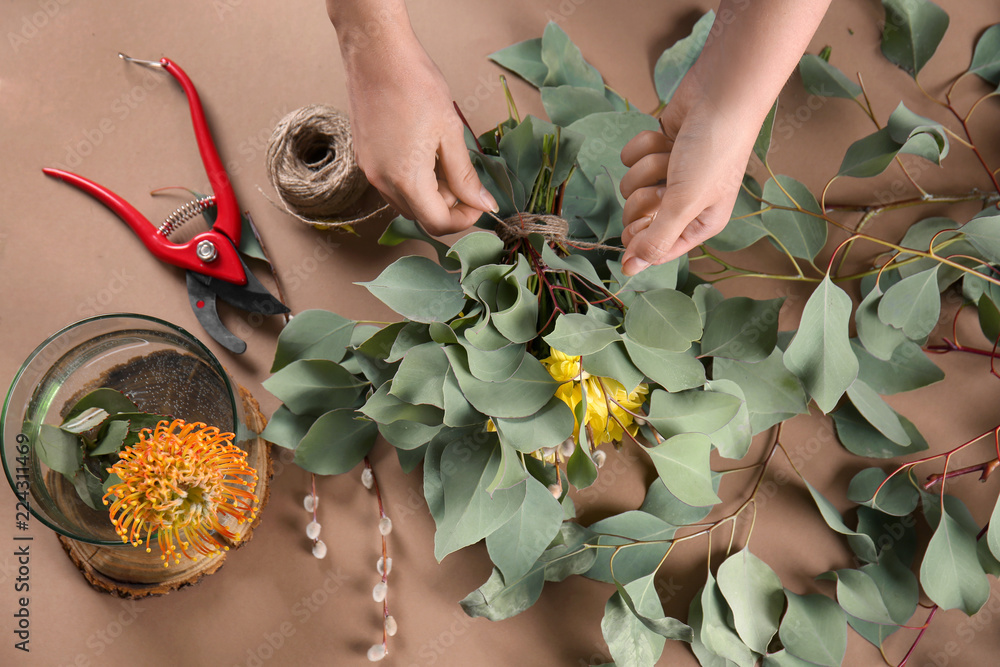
682	182
408	137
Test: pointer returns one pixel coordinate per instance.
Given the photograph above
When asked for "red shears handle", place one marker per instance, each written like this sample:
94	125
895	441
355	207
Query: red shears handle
224	261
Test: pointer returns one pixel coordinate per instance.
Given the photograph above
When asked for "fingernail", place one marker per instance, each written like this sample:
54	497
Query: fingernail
488	200
660	192
634	266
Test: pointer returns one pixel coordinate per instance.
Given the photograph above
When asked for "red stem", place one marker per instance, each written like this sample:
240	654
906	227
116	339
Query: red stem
930	616
385	553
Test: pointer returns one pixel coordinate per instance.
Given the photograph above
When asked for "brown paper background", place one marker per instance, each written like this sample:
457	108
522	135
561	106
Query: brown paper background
64	256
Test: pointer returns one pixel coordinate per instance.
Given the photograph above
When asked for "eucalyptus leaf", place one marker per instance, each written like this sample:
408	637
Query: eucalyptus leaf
575	334
664	319
420	377
820	354
755	596
859	596
897	497
641	592
475	250
717	635
614	362
111	400
516	545
565	63
522	395
59	449
693	411
763	143
113	438
400	229
313	334
664	505
983	232
677	59
606	134
674	371
682	461
815	629
386	408
835	521
580	468
879	338
525	60
629	640
913	304
861	438
641	539
566	104
821	78
800	231
314	386
986	57
335	443
742	328
907	369
418	289
877	412
286	429
548	427
497	600
950	572
773	393
913	29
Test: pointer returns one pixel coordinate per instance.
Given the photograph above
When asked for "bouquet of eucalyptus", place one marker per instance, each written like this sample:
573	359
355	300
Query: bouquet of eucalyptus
524	359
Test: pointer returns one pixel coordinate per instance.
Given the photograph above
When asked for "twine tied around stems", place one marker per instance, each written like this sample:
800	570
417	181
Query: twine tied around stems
553	228
311	164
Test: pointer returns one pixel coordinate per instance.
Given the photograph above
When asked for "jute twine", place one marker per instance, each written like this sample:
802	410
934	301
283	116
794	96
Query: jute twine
310	160
553	228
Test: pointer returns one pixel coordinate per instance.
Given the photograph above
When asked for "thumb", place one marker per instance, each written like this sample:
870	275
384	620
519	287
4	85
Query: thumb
461	175
653	245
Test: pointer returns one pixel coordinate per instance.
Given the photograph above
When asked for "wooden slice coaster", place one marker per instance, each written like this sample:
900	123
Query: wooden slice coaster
129	572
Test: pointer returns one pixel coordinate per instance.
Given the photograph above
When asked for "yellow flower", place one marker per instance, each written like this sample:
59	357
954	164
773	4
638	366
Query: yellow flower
609	405
179	481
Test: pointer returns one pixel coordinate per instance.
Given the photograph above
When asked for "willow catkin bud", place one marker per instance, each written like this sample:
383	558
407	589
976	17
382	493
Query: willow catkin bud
555	490
385	526
384	567
599	458
309	502
379	592
367	478
376	652
312	530
390	626
319	549
566	447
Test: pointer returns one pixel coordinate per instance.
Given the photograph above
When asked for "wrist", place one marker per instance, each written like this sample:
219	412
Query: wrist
371	24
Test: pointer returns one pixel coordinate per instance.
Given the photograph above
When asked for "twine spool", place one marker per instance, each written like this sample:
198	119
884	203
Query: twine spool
310	160
553	228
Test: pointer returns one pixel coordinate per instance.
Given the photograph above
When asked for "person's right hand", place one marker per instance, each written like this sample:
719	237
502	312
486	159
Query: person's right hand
408	137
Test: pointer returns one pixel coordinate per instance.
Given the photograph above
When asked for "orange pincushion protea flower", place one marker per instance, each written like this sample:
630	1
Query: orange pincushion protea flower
178	481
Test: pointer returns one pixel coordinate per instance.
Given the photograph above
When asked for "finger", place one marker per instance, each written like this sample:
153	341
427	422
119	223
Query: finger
643	201
655	243
643	144
635	227
648	170
428	206
449	197
457	169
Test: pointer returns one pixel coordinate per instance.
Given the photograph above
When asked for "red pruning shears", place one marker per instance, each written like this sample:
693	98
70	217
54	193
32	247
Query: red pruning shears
213	263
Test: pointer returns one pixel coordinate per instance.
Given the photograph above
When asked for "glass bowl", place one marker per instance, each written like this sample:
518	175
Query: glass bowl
162	368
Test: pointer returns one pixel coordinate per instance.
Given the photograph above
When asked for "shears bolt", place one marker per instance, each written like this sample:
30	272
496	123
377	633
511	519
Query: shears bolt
206	251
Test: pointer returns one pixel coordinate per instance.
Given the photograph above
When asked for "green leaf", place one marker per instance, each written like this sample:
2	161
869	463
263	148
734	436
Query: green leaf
475	250
567	104
575	334
993	532
682	462
286	429
763	142
59	450
664	319
754	594
522	395
897	497
716	633
983	232
918	135
913	29
742	328
495	365
732	440
986	57
112	440
313	334
802	233
111	400
664	505
821	78
516	545
420	378
783	658
606	134
677	59
950	572
522	153
913	304
820	354
418	289
695	620
548	427
989	318
815	629
613	362
496	600
511	472
89	487
836	522
84	421
909	368
643	540
861	438
336	443
314	386
565	63
860	597
580	468
249	241
869	156
470	512
694	411
773	393
644	589
629	640
674	371
879	338
524	59
400	229
877	412
385	408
